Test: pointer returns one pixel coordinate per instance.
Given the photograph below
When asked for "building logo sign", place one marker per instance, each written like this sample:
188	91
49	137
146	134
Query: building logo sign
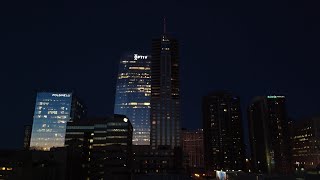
275	97
136	57
61	95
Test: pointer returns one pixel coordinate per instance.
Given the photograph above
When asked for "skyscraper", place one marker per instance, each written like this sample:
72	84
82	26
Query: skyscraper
133	94
306	143
223	136
165	92
51	114
269	135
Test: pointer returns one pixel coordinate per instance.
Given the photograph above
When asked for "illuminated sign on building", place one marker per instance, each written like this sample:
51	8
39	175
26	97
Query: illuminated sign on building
136	57
275	97
61	95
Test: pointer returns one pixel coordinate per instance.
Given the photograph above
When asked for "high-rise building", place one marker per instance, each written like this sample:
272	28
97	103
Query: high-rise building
223	135
51	114
27	136
106	146
165	92
133	94
269	135
193	147
306	143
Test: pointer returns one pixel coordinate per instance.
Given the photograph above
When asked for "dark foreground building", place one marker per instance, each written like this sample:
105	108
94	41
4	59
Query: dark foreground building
223	136
164	160
38	165
96	148
105	144
269	135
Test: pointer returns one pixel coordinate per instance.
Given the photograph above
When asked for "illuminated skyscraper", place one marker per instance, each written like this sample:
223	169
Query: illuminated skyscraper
133	95
269	135
223	135
51	114
165	92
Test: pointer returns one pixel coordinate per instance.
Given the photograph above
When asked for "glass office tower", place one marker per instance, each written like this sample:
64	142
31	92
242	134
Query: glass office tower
51	114
133	95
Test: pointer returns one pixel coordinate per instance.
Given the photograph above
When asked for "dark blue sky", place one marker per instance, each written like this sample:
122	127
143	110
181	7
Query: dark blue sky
250	48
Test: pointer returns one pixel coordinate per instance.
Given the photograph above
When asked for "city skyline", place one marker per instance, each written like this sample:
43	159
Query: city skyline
258	52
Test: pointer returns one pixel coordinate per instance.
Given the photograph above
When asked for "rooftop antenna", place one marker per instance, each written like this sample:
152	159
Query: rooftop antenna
164	25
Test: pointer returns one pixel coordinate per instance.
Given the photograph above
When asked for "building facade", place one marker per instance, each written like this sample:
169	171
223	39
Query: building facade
306	143
165	93
164	160
223	136
193	148
51	114
27	136
106	146
269	135
133	94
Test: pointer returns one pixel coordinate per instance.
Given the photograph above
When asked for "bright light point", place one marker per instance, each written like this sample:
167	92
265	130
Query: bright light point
125	119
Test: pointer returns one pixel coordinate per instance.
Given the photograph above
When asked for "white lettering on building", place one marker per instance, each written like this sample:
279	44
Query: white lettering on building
61	95
137	56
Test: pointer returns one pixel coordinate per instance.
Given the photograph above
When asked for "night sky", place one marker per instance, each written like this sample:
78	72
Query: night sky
250	48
